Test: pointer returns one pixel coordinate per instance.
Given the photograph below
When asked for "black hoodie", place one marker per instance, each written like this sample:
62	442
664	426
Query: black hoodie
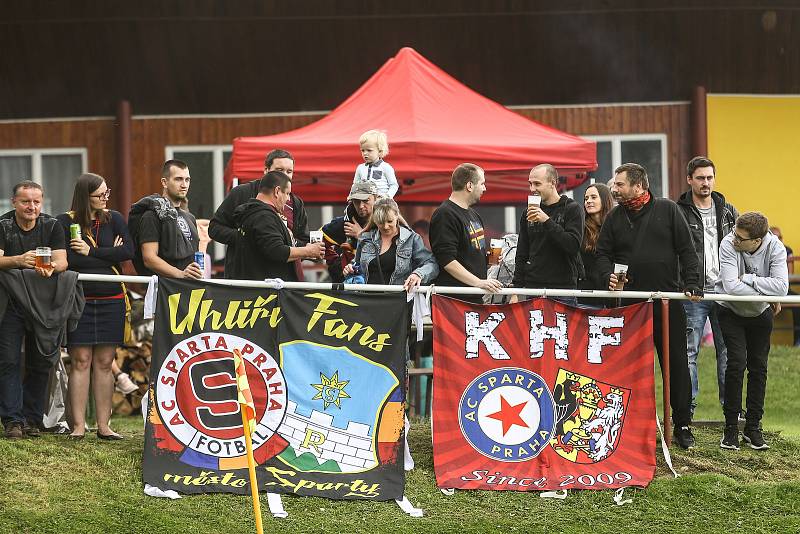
548	253
262	245
222	227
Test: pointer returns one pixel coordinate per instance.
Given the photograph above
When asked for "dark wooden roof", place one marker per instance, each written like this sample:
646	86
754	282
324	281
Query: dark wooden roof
78	58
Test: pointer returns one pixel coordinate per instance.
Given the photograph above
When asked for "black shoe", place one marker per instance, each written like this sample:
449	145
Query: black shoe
32	431
109	437
683	436
730	438
755	439
14	430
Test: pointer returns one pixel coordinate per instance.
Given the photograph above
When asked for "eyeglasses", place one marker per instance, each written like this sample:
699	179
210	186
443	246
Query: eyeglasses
102	196
739	239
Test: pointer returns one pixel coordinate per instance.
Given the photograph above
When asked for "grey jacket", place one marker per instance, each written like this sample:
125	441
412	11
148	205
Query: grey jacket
51	306
764	272
412	256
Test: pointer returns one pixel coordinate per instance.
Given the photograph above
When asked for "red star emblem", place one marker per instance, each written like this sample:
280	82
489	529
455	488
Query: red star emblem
509	415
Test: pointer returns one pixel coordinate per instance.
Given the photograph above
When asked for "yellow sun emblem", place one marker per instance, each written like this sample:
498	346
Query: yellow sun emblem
331	391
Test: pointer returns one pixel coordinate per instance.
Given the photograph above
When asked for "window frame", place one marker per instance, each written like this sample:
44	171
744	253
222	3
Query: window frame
616	152
36	160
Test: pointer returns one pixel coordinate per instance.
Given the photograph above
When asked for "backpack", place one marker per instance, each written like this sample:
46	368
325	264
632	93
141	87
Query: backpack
504	270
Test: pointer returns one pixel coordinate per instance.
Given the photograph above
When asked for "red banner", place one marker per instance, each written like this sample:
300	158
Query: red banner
542	396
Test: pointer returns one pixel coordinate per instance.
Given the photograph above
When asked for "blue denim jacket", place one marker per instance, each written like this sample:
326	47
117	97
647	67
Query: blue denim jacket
412	256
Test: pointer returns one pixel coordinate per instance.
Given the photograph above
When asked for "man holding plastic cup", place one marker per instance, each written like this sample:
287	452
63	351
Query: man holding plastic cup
550	235
28	240
645	245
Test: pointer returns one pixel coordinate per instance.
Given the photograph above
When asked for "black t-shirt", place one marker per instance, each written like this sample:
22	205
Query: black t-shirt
46	233
179	254
457	234
381	268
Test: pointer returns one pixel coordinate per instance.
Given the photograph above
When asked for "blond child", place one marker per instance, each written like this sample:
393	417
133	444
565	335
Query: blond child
375	147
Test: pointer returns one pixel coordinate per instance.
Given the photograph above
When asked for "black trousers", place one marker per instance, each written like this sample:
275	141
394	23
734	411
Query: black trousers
680	385
747	340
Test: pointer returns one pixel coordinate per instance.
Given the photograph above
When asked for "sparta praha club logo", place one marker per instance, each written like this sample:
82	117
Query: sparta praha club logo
507	414
196	400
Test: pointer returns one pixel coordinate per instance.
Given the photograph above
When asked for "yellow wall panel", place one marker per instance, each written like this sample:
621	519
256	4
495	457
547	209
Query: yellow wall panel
754	142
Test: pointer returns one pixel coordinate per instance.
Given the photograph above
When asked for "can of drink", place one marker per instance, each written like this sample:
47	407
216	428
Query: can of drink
200	259
75	231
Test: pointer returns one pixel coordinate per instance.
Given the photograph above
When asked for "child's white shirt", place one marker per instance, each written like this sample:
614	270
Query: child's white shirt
381	174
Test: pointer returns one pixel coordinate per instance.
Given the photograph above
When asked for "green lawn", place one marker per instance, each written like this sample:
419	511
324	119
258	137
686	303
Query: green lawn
782	412
56	486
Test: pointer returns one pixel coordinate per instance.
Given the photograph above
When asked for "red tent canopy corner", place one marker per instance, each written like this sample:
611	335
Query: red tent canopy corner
433	122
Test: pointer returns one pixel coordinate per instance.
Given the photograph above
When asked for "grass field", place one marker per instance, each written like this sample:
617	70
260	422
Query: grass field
52	485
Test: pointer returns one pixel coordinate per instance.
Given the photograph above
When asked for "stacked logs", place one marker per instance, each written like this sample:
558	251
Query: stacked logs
134	359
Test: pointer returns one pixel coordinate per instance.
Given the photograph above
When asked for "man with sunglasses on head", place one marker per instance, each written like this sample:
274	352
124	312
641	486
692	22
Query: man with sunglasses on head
752	262
710	218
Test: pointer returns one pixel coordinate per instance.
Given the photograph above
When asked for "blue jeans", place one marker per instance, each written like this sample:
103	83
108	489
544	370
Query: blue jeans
696	315
21	401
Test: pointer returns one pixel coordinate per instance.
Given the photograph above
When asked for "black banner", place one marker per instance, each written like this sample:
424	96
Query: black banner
326	370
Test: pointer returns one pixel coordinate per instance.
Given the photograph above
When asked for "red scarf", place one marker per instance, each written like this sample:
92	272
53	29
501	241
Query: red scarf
636	203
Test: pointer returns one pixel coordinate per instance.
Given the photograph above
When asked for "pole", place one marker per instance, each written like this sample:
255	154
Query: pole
665	369
124	178
251	466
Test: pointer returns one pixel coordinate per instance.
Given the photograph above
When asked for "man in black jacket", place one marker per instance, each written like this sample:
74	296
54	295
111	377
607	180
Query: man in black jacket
651	237
264	246
710	219
222	227
549	237
342	233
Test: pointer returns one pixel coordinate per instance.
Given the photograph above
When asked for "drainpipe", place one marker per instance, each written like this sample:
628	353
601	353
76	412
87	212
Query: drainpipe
699	122
123	162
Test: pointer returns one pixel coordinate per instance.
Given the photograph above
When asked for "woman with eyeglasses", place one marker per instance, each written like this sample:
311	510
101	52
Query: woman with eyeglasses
102	244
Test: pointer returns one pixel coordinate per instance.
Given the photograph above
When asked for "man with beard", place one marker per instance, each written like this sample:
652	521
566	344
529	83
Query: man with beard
710	219
341	234
163	230
222	227
264	247
457	237
651	237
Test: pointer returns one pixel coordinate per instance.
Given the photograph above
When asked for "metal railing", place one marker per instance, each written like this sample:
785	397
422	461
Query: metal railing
663	296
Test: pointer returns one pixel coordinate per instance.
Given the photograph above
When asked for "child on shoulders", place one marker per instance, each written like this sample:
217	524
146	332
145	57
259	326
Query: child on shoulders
375	147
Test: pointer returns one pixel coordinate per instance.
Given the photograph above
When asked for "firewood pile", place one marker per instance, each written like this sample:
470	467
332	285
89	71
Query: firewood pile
134	359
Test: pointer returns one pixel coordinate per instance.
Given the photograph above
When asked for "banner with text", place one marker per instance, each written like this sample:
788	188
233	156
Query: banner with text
327	374
539	395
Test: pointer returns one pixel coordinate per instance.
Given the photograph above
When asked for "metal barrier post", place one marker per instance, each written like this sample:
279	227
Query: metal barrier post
665	369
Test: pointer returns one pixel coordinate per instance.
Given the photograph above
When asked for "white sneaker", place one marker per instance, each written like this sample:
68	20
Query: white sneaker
124	384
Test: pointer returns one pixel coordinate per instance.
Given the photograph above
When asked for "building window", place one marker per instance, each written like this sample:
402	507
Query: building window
56	169
648	150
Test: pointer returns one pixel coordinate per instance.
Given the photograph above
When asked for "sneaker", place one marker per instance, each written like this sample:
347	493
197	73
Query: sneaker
124	384
730	438
683	436
32	431
755	439
14	430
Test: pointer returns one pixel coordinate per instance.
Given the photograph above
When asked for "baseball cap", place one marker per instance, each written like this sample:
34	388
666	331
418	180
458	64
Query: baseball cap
362	190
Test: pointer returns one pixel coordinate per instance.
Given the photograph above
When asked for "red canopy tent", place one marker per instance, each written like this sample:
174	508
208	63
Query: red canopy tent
433	123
